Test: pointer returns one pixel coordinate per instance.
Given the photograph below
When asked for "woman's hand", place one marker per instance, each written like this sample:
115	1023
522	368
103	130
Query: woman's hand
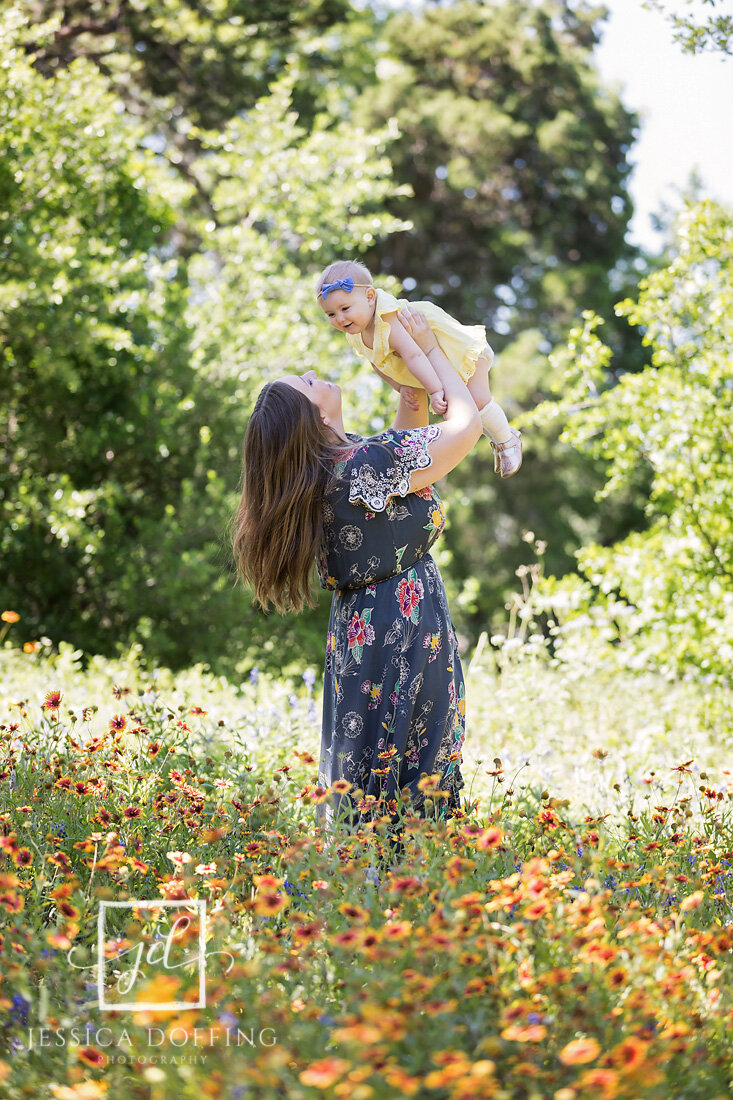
411	397
416	324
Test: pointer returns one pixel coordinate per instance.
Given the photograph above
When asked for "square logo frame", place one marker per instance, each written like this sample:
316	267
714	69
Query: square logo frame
139	1006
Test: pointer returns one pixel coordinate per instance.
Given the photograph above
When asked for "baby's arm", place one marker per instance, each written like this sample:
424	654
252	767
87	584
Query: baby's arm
417	363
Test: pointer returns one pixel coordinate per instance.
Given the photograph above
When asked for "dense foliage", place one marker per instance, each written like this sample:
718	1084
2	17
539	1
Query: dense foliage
708	28
670	587
128	369
160	241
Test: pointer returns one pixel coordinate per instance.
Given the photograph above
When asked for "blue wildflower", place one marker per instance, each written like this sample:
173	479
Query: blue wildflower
20	1006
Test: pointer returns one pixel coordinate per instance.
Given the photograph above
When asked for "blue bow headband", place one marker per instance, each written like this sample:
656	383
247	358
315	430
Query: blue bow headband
340	284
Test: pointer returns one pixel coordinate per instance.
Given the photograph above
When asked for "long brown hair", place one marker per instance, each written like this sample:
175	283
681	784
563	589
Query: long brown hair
287	462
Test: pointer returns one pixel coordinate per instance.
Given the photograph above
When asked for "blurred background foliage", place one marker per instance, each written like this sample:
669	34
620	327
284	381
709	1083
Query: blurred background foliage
173	176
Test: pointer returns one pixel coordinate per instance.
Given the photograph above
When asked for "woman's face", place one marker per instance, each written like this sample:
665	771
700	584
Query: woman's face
325	395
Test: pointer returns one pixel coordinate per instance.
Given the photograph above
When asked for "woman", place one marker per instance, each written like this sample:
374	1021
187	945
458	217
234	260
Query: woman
366	510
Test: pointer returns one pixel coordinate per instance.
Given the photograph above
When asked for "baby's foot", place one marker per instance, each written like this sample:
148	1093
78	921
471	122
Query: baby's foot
508	456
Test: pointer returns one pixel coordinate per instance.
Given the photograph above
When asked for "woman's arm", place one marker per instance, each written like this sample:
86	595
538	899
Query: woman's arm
461	426
412	411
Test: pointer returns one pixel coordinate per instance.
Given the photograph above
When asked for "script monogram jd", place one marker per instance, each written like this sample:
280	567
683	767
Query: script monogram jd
164	955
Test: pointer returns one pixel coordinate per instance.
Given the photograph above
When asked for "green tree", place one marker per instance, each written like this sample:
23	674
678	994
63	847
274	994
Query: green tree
666	592
696	32
128	373
182	66
516	156
201	62
517	159
96	437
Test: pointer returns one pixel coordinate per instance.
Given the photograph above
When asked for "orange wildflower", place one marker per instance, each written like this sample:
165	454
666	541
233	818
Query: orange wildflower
52	701
629	1055
361	1033
354	912
341	786
489	838
456	868
430	784
268	899
350	938
92	1057
524	1033
603	1082
692	901
10	617
57	939
537	909
579	1051
85	1090
396	929
13	903
161	989
305	933
323	1074
406	885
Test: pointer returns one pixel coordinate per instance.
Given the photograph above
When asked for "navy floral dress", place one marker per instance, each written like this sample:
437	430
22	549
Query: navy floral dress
393	698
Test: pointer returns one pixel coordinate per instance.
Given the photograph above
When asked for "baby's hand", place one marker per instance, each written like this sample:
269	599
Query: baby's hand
411	397
438	402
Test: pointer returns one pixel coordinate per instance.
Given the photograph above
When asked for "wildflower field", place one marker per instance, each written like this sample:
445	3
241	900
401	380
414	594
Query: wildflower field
567	935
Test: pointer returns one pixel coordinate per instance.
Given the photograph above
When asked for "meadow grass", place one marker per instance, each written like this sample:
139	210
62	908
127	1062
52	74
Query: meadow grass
567	935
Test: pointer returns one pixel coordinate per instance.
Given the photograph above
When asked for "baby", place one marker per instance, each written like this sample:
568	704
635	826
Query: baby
368	318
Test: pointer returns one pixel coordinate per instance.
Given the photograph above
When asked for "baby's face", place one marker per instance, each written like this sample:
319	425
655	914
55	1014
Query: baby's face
350	312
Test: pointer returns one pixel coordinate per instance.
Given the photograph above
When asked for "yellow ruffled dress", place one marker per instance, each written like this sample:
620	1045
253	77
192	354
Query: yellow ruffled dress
462	344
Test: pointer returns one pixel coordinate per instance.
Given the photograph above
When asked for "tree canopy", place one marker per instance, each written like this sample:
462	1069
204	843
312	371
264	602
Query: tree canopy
516	156
669	588
697	31
128	369
160	244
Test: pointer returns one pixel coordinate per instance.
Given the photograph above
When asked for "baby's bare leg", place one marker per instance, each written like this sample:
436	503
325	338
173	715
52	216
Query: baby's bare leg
478	383
493	418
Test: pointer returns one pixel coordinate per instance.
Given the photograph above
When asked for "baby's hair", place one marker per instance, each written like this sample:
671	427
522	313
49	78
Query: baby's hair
342	269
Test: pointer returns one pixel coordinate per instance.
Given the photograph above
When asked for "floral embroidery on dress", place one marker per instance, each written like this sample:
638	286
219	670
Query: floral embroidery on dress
374	486
351	537
360	633
409	592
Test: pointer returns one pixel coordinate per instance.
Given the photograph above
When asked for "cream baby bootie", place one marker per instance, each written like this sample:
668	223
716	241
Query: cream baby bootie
508	456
